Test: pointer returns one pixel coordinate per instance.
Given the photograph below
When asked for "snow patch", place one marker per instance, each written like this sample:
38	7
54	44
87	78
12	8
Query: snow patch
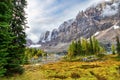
96	33
43	41
116	27
49	37
35	46
108	11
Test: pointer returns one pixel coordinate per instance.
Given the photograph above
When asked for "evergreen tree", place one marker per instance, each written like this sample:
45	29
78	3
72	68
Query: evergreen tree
75	45
12	36
84	46
102	50
72	49
88	48
91	46
113	48
5	39
17	45
118	45
79	48
96	46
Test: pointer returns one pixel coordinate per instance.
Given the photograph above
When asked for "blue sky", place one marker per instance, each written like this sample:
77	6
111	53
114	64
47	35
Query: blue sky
49	14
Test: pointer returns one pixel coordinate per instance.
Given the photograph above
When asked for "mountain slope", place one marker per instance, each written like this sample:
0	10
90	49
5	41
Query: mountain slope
94	19
109	35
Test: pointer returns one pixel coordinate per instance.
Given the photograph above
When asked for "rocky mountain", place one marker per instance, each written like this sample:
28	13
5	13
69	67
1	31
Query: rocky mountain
45	37
29	42
108	35
94	19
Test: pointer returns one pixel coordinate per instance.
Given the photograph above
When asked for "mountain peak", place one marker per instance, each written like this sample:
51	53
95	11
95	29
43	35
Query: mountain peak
94	19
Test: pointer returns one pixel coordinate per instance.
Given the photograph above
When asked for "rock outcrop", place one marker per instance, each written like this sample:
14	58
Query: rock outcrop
29	42
45	37
94	19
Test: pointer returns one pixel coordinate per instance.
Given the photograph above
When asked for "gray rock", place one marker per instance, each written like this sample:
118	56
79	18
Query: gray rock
86	24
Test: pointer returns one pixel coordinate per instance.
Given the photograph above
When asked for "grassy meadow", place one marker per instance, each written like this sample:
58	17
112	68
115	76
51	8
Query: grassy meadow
106	69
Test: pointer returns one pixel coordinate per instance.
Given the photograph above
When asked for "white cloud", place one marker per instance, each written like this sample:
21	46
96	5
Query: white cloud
42	15
107	0
110	10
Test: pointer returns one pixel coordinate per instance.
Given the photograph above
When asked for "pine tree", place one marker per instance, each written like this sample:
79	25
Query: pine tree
96	46
91	46
72	49
75	45
12	36
79	48
70	52
17	45
113	48
118	45
5	39
84	46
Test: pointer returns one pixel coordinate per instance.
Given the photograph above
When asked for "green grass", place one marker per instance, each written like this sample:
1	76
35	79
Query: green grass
98	70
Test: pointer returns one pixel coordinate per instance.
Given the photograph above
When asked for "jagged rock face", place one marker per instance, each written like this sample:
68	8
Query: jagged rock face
45	37
54	34
86	23
108	36
29	42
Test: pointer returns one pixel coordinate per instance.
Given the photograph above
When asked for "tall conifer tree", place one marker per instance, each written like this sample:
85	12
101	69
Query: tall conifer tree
91	46
5	39
118	45
18	42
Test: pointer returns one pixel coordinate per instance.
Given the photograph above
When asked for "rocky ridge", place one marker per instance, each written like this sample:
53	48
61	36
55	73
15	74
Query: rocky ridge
94	19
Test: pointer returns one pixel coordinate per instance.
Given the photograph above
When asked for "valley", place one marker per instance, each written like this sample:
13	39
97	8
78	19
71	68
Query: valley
83	47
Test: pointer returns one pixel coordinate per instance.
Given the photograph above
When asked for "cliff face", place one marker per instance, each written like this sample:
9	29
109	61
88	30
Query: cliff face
28	42
45	37
87	23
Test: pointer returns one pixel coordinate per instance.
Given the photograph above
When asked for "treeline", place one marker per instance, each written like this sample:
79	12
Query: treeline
33	53
12	36
85	47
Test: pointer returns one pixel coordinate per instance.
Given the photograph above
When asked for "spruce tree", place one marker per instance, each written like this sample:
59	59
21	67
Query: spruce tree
17	45
118	45
113	49
12	36
91	46
72	49
5	39
79	48
70	52
96	46
84	47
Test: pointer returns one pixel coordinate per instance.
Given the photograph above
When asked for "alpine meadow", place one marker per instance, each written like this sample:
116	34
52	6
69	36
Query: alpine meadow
59	40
